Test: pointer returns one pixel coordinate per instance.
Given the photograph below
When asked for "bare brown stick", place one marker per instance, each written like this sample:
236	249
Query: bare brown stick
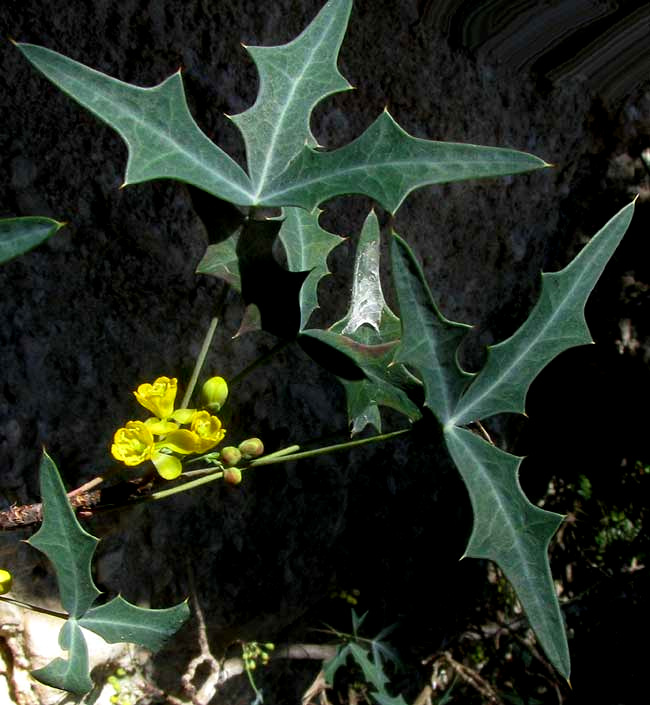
18	517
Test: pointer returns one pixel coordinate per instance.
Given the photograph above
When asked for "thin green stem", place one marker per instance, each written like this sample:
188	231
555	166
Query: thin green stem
281	456
198	365
251	681
272	459
162	494
34	608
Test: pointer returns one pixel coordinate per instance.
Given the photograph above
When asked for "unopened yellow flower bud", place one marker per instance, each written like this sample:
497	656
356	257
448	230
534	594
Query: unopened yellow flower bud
269	646
6	580
251	448
230	456
214	393
232	476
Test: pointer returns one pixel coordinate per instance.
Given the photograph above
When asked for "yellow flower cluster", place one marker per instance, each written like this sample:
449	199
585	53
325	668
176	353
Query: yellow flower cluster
160	436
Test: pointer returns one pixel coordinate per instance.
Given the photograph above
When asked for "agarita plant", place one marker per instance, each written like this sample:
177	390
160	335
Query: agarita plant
385	359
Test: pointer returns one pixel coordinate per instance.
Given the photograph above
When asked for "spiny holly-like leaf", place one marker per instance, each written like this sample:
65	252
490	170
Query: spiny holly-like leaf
307	247
65	543
556	323
18	235
71	675
370	322
513	533
294	77
119	620
70	548
163	140
386	163
429	341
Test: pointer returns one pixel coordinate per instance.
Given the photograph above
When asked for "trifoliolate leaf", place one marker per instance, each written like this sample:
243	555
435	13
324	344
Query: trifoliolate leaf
386	164
65	543
513	533
71	675
18	235
162	138
307	247
556	323
429	341
119	620
294	77
370	322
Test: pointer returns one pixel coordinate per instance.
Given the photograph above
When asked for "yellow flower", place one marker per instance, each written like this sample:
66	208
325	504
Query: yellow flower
6	580
208	431
158	397
133	443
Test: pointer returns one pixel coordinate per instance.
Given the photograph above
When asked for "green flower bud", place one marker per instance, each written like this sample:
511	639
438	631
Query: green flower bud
232	476
230	456
269	646
214	393
251	448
